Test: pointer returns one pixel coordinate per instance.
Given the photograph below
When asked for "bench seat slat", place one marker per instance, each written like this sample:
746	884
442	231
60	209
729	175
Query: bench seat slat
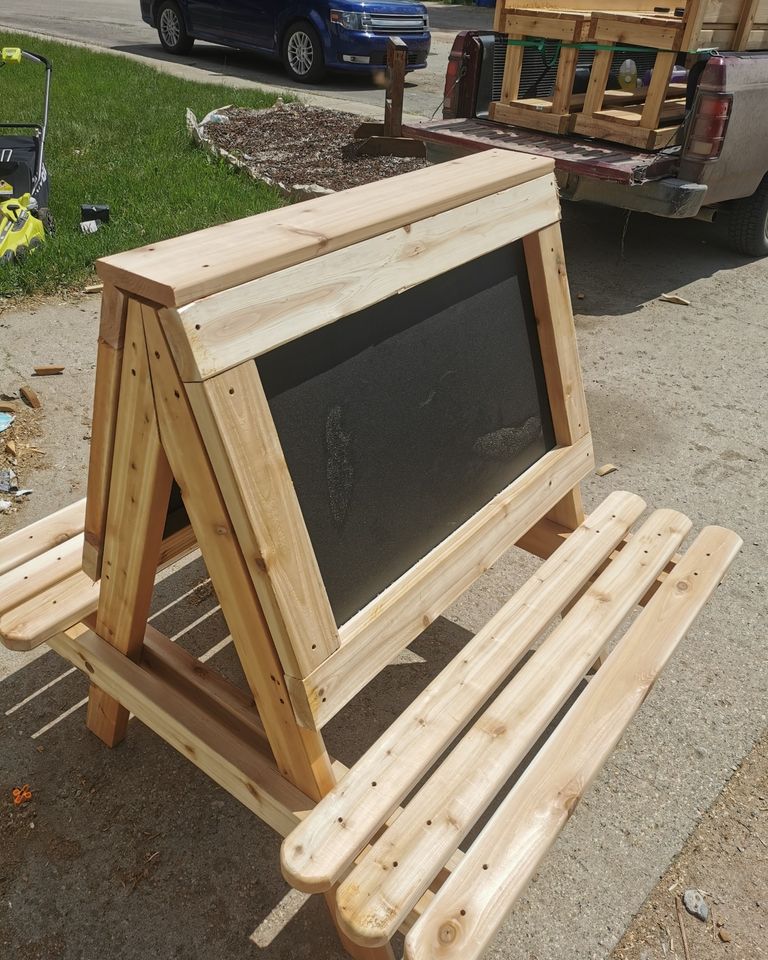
31	541
48	612
466	912
320	850
383	888
41	572
47	604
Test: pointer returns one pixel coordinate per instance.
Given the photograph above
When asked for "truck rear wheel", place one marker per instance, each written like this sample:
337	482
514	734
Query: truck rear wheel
748	222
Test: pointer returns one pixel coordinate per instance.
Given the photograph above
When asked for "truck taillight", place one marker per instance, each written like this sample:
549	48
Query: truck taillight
706	132
452	76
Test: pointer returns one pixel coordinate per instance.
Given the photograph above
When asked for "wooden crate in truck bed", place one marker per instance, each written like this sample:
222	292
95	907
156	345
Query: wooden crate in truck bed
649	117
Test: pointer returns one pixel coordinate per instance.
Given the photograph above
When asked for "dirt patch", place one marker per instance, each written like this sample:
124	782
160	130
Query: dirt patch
726	858
295	146
19	452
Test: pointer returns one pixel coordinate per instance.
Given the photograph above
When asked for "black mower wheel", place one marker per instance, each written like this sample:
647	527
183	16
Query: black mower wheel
171	30
303	53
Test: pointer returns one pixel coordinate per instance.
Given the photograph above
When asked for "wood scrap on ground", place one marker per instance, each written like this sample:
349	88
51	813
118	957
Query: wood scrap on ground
29	396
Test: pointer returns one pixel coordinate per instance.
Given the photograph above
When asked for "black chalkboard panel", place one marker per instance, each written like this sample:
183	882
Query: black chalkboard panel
399	422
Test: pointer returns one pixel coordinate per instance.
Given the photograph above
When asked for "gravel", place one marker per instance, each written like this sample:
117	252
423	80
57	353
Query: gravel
292	144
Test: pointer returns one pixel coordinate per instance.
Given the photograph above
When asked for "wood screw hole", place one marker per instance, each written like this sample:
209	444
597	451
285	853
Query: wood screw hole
133	373
463	913
231	391
394	863
314	646
177	394
197	326
429	823
157	354
485	866
341	819
373	784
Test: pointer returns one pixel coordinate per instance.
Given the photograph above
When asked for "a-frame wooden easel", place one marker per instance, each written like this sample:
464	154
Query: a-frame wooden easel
179	397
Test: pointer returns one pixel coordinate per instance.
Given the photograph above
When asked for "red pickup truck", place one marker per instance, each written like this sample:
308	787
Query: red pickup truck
719	168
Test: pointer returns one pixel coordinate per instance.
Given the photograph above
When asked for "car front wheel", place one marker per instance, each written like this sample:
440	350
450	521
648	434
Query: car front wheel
303	53
171	30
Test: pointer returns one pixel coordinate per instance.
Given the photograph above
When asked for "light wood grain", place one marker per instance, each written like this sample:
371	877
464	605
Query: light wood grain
48	611
321	850
29	542
300	754
139	491
467	911
235	764
178	271
40	573
212	335
109	358
248	460
383	888
548	278
374	636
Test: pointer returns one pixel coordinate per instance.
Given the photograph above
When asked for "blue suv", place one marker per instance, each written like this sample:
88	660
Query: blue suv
309	36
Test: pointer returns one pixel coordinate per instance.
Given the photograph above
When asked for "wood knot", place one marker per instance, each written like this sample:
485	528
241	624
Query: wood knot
448	932
682	586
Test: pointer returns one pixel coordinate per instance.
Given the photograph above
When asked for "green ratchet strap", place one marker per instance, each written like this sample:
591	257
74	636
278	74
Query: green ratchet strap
540	46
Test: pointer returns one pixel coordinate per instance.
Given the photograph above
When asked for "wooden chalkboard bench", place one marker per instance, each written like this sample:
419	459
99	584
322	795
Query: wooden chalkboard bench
353	407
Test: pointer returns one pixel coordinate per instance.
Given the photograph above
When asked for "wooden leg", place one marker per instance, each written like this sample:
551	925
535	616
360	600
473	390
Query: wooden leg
598	81
513	64
564	80
300	753
106	393
139	491
657	90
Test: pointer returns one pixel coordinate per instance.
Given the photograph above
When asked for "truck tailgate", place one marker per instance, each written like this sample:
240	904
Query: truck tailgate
586	158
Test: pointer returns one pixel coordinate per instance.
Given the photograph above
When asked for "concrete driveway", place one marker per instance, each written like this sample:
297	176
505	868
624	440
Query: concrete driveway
117	25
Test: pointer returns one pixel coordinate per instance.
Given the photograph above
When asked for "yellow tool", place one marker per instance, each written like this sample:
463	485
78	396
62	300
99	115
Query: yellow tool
20	230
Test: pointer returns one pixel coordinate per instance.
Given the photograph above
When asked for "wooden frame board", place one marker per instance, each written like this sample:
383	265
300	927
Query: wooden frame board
215	338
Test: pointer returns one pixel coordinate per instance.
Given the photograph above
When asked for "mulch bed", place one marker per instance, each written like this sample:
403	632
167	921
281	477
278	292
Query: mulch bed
293	145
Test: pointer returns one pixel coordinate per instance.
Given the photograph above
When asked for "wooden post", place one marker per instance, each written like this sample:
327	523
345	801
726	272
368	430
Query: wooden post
397	55
139	491
108	366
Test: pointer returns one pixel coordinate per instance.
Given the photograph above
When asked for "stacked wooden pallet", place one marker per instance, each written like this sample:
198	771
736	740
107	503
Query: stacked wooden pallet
648	117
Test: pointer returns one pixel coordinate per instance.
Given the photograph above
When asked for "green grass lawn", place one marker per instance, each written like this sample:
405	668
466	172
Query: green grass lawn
117	135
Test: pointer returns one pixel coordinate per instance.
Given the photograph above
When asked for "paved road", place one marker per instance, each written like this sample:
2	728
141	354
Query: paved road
117	24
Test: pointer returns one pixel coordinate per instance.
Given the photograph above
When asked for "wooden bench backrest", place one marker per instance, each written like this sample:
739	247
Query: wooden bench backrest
229	295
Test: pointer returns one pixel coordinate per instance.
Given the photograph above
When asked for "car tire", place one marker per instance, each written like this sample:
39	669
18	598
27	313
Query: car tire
303	53
748	222
171	29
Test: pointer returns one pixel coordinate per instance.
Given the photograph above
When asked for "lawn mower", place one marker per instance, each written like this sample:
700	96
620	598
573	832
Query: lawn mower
24	214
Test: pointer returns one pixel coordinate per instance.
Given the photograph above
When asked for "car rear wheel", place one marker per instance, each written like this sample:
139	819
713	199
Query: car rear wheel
303	53
748	222
171	30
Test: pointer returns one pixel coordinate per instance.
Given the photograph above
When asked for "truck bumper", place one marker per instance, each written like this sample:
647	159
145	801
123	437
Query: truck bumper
668	197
